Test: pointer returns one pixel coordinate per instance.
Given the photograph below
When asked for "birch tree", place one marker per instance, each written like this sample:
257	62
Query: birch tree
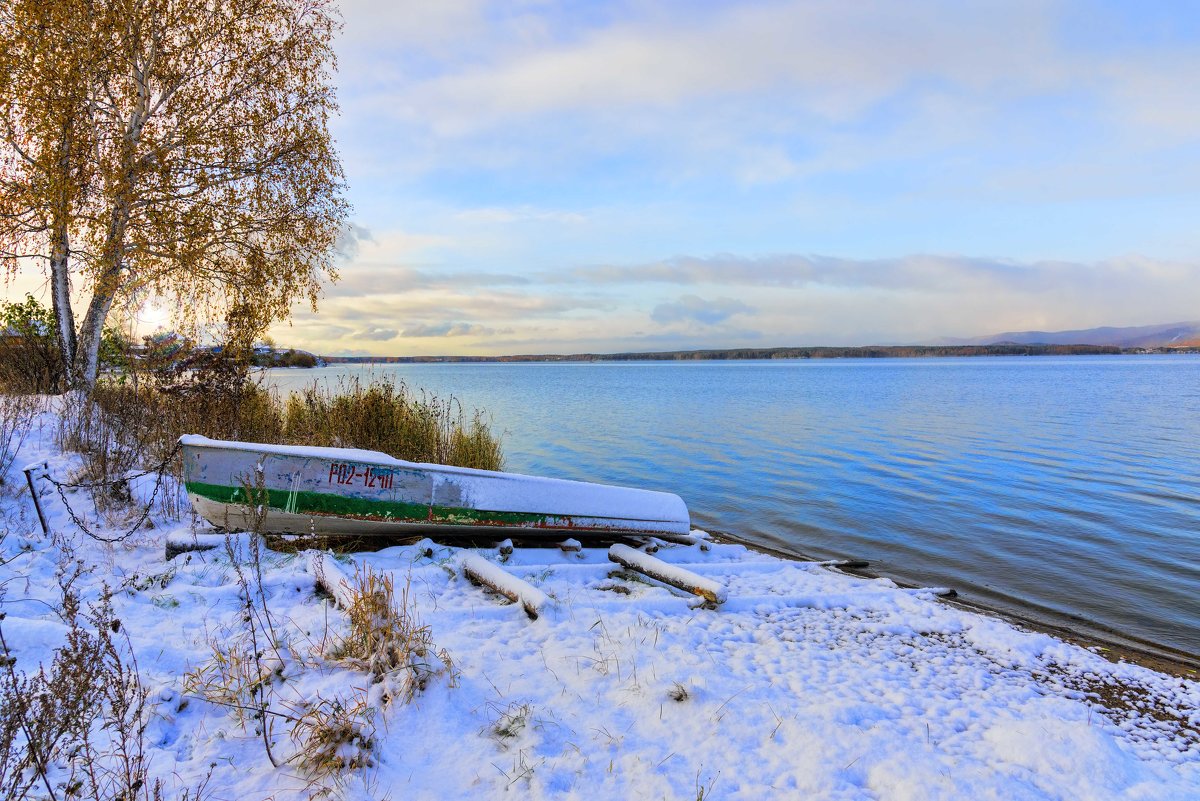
47	157
205	171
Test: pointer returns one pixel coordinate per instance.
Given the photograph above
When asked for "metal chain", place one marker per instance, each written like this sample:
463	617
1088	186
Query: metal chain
96	484
161	470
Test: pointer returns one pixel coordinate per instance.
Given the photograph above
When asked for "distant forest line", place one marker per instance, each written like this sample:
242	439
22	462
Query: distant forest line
867	352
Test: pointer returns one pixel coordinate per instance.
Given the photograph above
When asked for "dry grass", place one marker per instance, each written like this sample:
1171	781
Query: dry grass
330	736
16	417
146	421
510	721
122	428
388	640
334	735
233	677
678	693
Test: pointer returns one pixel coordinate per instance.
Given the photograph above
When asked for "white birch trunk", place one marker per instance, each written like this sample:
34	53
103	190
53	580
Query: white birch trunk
87	360
109	283
60	289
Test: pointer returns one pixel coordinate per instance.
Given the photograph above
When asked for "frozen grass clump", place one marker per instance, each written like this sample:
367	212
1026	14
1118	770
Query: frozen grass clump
334	735
388	640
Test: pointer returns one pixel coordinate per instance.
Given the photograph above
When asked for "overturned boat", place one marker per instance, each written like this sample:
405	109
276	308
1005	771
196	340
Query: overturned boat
290	489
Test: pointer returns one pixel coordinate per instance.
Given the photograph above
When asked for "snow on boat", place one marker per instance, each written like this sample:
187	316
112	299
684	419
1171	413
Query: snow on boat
346	491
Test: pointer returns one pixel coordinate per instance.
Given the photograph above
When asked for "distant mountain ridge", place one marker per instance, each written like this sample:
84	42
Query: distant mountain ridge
834	352
1165	335
1108	340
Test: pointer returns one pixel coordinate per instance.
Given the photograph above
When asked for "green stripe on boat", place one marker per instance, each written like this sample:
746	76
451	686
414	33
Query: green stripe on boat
321	504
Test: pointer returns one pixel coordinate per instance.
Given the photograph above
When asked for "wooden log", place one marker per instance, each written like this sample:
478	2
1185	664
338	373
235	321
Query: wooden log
684	539
481	571
177	545
174	549
673	575
331	579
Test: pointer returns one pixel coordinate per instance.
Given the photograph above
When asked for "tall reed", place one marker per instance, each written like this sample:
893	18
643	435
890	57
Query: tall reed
384	415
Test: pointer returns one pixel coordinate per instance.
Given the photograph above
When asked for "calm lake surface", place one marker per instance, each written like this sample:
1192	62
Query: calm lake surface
1069	486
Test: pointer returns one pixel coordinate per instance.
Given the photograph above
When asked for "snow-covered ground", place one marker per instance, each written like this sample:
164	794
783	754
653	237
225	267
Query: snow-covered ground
805	683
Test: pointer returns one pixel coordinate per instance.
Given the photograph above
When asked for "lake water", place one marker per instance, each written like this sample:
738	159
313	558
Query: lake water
1066	485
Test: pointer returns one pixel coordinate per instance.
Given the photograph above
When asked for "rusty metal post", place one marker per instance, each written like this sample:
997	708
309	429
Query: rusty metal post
37	504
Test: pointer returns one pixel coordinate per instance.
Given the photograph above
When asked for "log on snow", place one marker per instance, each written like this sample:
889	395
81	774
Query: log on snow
196	543
683	539
331	579
481	571
674	575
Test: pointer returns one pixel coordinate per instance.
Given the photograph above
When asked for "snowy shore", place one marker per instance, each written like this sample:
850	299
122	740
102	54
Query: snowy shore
805	683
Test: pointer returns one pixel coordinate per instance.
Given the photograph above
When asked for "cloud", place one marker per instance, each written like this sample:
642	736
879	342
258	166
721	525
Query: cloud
697	309
375	280
917	273
410	24
446	330
374	334
347	245
310	328
763	94
632	341
530	165
731	300
834	59
392	246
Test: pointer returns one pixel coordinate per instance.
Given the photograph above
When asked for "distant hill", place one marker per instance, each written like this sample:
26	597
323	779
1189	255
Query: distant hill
866	352
1167	335
1091	341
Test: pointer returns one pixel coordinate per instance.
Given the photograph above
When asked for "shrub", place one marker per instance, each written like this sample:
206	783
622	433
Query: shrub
29	355
290	358
30	359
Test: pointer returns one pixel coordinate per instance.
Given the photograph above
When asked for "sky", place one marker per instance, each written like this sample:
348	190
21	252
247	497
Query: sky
536	177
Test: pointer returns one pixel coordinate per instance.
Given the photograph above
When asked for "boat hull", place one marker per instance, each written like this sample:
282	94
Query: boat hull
296	490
